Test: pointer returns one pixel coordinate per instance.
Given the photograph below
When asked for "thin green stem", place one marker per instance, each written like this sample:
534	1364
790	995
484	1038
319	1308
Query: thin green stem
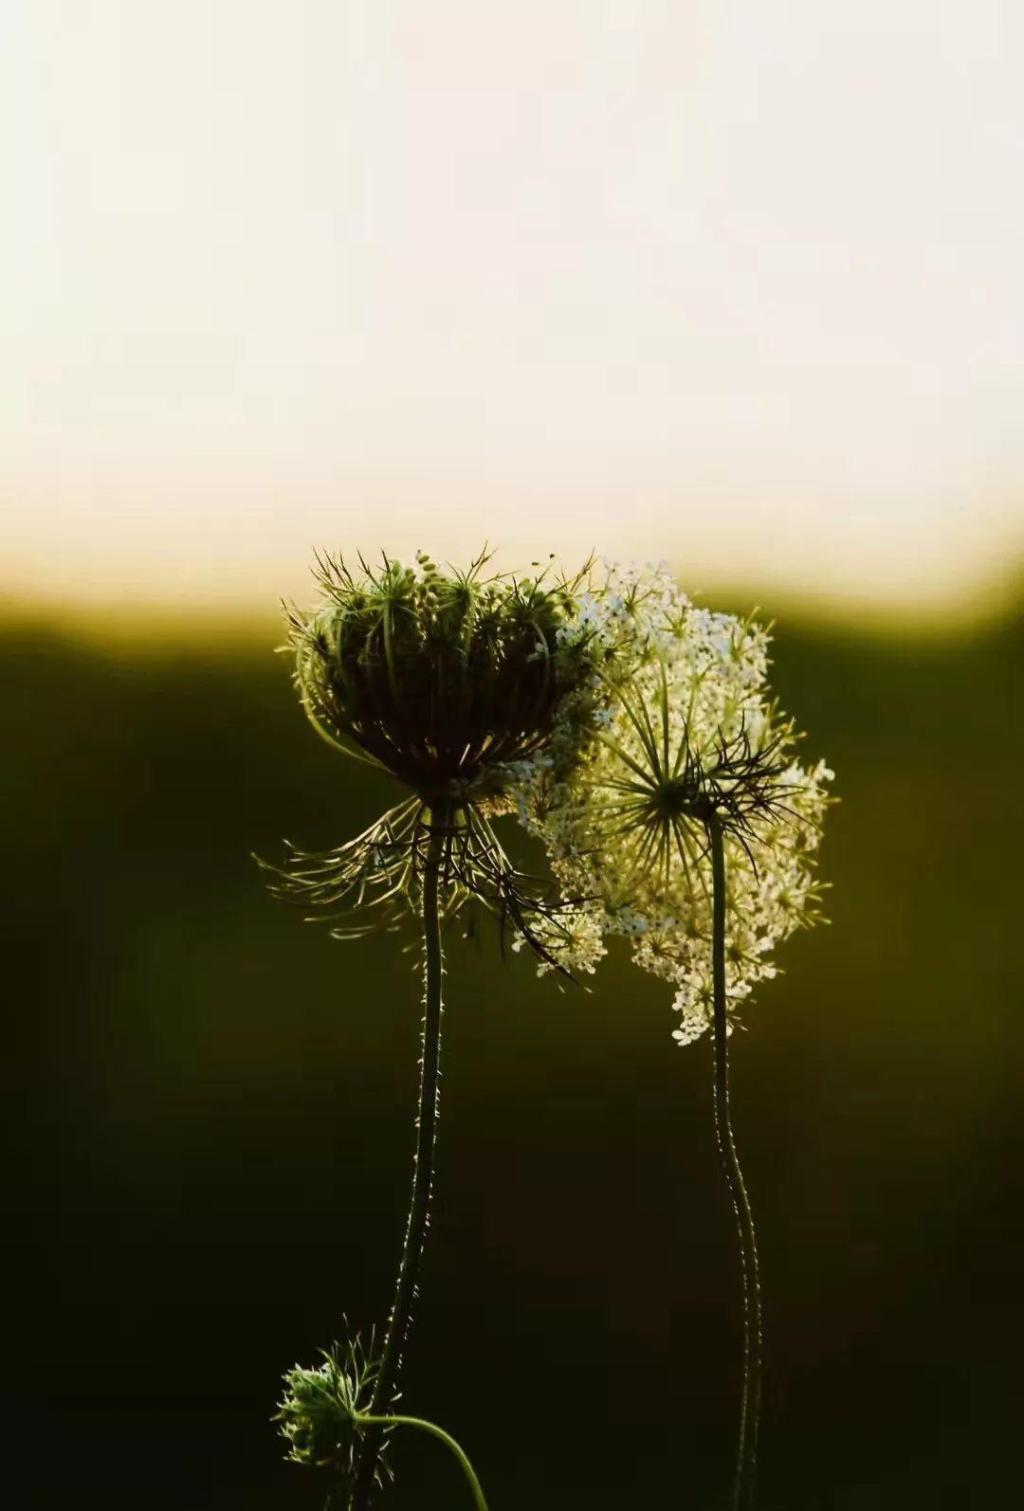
437	1432
423	1163
753	1330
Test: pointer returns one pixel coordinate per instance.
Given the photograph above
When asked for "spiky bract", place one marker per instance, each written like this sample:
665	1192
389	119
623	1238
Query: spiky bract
445	680
440	678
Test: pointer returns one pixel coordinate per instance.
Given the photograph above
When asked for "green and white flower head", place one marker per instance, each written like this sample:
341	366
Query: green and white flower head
443	679
676	728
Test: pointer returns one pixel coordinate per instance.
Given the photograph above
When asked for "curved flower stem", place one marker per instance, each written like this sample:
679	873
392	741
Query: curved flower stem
437	1432
423	1163
753	1336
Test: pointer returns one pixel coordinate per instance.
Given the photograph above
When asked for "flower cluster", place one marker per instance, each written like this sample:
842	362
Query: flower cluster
617	719
675	732
632	733
436	676
445	680
320	1414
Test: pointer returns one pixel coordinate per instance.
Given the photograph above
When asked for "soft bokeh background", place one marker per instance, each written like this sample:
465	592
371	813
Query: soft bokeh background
732	284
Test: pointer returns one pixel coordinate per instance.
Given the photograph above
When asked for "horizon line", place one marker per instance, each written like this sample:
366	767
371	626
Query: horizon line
245	617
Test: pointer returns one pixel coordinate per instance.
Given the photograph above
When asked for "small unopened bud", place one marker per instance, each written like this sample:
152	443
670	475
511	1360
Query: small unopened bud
320	1411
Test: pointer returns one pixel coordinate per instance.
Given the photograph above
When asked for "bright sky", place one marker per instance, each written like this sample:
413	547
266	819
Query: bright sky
733	282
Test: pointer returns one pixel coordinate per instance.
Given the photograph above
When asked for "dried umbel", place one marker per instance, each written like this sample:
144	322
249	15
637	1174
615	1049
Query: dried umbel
445	680
441	678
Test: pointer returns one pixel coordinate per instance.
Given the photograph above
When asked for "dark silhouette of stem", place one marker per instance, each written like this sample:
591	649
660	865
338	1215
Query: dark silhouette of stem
423	1169
750	1403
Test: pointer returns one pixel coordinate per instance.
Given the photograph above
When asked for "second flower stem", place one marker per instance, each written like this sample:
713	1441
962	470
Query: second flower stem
444	1437
423	1162
750	1404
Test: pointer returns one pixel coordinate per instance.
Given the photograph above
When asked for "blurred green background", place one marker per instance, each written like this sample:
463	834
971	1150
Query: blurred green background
220	1100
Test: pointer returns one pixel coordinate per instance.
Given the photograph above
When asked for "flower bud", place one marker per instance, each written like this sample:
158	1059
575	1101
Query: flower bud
319	1414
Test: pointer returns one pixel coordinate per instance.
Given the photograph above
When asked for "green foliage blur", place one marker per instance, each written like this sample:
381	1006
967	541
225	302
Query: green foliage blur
219	1099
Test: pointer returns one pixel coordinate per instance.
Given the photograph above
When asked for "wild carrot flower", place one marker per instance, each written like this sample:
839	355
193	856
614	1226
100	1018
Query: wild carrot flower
326	1411
441	680
680	724
444	680
674	802
633	733
320	1410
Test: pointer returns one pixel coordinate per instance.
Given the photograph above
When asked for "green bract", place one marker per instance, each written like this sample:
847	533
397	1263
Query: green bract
320	1410
438	678
450	681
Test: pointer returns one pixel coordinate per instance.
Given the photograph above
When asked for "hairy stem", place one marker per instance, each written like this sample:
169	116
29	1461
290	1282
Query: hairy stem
437	1432
423	1166
753	1337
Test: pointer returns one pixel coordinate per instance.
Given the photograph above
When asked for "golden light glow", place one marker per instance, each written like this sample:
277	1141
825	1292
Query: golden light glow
728	282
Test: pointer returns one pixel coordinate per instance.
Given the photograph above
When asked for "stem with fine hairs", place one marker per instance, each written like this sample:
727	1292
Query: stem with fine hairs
365	1420
753	1328
423	1165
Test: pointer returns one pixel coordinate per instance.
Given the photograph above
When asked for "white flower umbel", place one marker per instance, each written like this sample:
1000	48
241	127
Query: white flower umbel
670	798
678	712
